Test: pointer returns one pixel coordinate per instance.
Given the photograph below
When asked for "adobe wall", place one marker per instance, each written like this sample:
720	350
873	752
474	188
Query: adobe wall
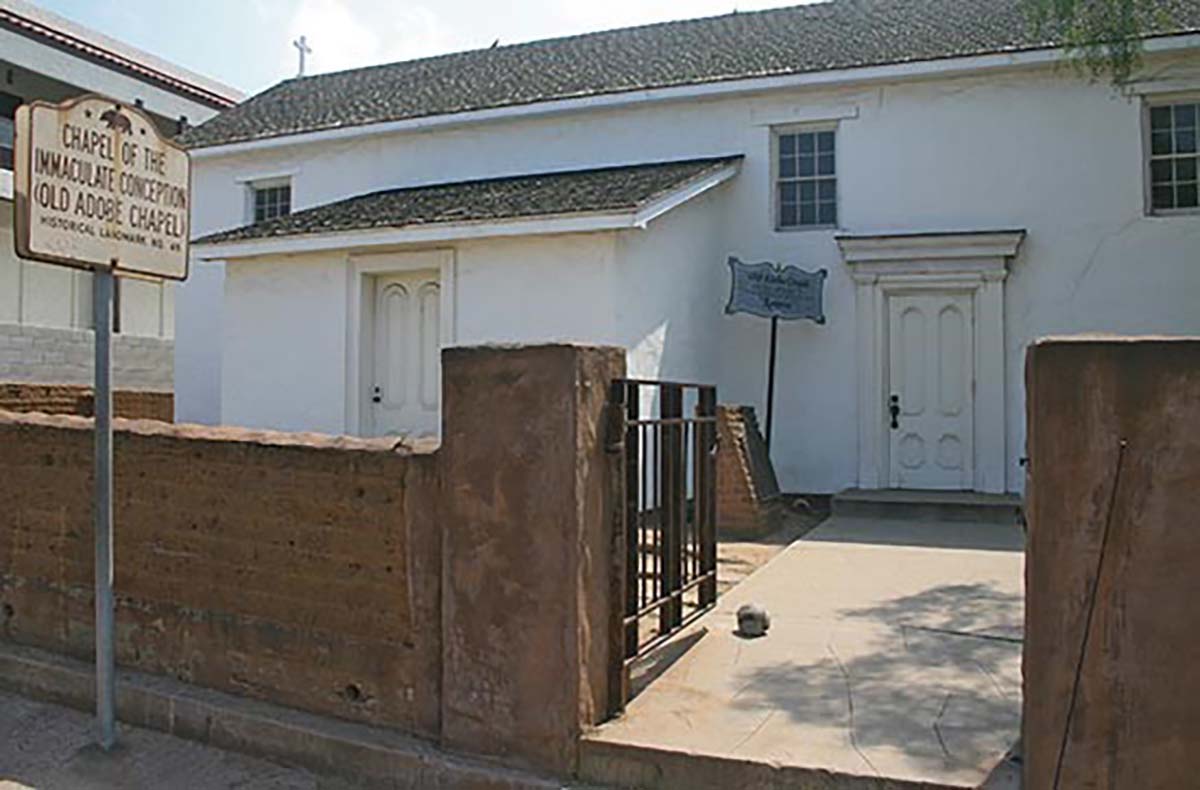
78	399
527	549
457	593
284	568
1136	722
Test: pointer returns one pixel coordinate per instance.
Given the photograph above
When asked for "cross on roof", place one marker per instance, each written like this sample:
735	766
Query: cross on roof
302	48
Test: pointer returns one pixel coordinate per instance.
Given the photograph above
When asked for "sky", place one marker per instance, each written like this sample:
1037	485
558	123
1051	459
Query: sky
247	43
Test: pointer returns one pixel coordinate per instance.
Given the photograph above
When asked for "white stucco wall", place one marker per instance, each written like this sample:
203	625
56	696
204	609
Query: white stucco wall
284	361
200	307
284	350
1039	150
668	292
533	289
284	356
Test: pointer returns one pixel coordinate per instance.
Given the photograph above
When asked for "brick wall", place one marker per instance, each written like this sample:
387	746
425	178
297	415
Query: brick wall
457	593
77	399
43	354
1136	721
747	491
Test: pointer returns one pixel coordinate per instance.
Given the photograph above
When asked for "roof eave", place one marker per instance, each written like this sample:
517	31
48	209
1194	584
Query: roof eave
638	217
921	69
432	233
31	21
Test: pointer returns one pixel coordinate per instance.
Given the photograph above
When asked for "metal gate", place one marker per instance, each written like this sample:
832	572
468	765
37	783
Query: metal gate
665	434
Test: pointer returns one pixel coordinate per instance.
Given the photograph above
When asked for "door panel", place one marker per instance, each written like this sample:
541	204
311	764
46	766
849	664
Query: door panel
392	345
406	388
431	299
931	376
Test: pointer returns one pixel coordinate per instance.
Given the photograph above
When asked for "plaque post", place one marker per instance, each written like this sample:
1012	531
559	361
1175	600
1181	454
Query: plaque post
106	678
121	145
771	378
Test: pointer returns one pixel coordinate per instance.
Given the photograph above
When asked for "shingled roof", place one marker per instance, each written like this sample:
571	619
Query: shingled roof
819	37
627	188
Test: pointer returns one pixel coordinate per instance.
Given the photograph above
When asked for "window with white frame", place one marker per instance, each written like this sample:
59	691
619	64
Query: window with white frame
1174	156
805	178
8	109
270	199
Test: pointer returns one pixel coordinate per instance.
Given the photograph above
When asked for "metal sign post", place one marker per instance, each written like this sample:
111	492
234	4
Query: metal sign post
102	520
771	378
98	187
769	290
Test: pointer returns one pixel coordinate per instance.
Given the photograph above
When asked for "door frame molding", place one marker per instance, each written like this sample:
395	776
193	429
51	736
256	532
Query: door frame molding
362	270
973	262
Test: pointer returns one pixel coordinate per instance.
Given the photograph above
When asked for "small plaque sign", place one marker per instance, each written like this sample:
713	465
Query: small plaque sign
97	186
772	291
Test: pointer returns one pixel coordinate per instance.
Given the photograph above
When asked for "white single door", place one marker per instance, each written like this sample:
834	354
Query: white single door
406	389
931	391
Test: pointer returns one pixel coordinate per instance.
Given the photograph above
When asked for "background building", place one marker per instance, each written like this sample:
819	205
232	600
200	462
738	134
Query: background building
45	311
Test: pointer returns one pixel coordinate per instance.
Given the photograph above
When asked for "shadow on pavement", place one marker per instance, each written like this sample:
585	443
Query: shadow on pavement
938	680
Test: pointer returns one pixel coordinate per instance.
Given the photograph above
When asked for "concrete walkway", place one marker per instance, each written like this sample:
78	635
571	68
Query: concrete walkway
50	747
894	652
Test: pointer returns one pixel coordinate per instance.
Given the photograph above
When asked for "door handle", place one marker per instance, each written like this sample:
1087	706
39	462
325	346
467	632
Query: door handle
894	409
377	395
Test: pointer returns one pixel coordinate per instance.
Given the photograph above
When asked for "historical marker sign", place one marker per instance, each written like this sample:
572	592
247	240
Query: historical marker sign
97	186
768	290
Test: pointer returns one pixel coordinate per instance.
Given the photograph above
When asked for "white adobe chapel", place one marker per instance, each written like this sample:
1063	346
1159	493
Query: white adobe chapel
965	191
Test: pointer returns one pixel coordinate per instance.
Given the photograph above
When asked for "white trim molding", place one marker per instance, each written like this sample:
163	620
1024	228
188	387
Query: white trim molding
971	262
811	115
267	175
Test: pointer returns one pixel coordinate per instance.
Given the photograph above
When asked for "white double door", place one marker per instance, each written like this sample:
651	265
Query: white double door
929	404
404	393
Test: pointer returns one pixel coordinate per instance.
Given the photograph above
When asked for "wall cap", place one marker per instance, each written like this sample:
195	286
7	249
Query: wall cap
1106	338
317	441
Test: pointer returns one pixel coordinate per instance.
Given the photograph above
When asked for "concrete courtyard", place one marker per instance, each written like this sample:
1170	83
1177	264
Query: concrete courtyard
894	653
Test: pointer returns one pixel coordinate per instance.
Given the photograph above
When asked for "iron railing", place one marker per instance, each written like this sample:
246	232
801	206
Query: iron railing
666	554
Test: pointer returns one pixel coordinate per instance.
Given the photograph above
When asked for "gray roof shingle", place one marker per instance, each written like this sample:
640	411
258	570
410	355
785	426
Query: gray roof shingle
607	189
819	37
